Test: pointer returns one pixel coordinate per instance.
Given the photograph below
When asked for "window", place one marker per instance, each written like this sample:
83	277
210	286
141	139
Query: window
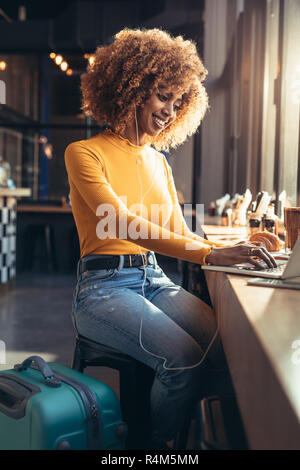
289	83
279	89
254	123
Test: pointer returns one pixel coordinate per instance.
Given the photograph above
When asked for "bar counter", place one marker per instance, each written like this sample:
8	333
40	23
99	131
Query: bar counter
260	330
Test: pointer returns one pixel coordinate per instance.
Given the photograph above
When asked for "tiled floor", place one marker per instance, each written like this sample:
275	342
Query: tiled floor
35	319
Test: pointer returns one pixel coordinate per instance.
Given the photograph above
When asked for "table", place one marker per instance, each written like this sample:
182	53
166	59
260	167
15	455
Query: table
260	330
44	209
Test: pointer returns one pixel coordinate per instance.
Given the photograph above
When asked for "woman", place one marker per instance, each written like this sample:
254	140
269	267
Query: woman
147	87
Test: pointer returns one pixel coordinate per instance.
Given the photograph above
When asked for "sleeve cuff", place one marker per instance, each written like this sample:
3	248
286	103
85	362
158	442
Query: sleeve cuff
206	255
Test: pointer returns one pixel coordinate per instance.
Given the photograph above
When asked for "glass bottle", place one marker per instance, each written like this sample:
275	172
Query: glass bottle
224	218
254	224
271	220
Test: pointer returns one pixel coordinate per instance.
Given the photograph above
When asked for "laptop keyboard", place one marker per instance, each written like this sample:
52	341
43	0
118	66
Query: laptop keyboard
264	267
278	269
281	264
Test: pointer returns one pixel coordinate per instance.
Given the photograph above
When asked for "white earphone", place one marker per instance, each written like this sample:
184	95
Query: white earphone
144	266
141	189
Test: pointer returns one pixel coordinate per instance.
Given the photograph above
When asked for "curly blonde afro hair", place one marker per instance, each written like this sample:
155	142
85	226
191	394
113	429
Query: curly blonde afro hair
125	73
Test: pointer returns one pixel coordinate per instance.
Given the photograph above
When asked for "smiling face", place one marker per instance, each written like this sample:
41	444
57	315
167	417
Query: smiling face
158	112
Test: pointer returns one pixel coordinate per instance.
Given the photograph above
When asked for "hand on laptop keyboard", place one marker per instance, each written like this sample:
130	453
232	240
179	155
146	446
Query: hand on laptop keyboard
264	267
242	253
277	269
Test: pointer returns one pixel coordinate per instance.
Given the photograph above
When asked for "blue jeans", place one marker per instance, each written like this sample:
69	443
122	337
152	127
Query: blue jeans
142	313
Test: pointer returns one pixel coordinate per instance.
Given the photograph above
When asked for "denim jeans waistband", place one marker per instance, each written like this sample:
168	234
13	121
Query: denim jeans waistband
120	265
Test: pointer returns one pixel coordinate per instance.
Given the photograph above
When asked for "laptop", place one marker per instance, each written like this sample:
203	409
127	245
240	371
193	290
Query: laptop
285	269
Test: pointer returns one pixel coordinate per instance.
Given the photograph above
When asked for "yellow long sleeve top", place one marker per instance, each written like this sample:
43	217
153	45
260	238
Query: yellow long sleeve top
109	177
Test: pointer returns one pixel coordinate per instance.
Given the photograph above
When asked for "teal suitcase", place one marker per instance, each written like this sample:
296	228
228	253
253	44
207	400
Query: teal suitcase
46	406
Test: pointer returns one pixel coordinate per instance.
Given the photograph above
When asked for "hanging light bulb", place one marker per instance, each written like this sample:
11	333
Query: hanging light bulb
91	60
69	72
43	139
2	65
58	59
48	150
64	65
52	55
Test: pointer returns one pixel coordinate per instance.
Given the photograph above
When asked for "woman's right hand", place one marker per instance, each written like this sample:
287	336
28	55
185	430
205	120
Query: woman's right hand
241	253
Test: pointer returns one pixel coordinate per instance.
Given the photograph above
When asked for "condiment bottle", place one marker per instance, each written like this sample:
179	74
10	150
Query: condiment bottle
227	217
224	218
271	220
212	208
254	224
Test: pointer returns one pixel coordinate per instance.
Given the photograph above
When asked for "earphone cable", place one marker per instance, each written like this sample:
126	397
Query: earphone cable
144	280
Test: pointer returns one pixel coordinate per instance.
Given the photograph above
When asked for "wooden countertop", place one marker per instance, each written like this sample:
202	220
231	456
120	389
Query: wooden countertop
43	208
260	329
15	192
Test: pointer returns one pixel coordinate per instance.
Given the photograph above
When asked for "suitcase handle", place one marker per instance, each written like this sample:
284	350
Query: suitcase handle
14	395
42	366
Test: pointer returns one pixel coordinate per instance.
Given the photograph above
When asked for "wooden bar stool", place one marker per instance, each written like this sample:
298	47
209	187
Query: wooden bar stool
135	384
